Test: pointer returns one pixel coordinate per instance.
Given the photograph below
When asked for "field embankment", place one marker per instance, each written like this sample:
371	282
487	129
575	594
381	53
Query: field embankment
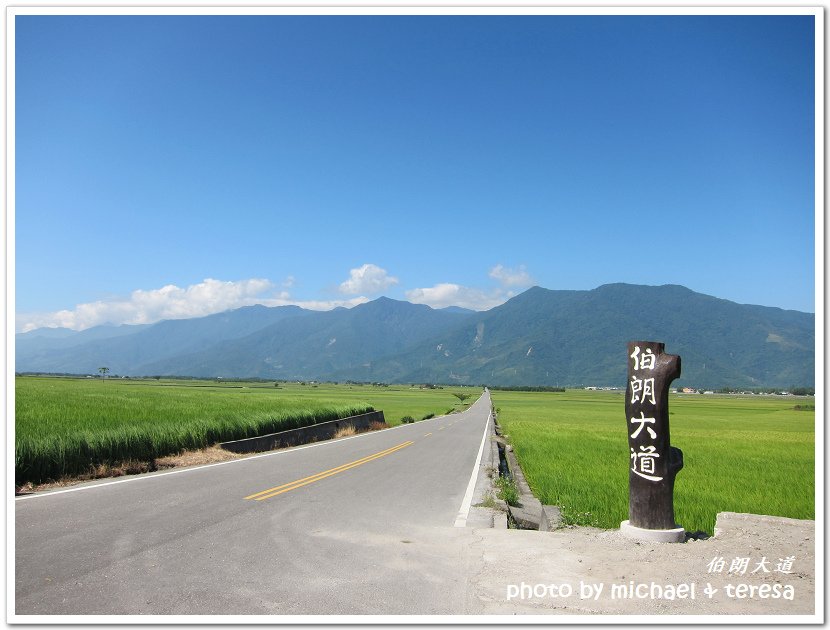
751	454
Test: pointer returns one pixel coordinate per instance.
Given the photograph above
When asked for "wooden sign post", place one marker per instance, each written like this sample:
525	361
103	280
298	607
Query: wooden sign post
653	461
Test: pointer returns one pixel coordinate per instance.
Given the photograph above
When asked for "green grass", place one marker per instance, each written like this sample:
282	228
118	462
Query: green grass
507	491
64	426
741	454
396	401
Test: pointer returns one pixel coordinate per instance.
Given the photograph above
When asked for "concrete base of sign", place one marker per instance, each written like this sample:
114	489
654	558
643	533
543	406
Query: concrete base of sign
653	535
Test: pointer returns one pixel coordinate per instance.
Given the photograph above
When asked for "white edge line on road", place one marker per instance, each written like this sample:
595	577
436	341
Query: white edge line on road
50	493
461	519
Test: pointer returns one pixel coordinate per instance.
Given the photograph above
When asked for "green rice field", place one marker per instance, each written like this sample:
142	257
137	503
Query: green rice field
741	454
66	426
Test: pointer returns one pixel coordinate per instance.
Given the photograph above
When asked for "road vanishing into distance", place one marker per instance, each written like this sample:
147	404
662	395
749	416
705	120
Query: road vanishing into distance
360	525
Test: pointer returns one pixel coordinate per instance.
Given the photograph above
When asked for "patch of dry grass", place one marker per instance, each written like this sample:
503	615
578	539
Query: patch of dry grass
345	431
210	455
349	430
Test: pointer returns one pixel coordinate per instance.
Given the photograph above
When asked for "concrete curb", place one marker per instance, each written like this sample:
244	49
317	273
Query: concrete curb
528	514
301	435
551	518
480	516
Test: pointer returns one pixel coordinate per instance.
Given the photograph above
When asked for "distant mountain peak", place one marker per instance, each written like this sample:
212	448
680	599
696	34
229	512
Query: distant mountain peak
458	309
387	303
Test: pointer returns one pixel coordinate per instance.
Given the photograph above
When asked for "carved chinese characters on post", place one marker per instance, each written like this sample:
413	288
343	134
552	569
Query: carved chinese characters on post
654	463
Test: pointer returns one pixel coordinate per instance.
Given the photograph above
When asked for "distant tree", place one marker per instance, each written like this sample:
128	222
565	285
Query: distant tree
803	391
103	371
461	396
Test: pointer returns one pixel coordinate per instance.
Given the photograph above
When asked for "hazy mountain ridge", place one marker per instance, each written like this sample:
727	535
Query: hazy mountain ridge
540	337
317	345
125	353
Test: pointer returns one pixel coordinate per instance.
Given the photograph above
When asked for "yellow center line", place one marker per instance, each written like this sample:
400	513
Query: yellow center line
272	492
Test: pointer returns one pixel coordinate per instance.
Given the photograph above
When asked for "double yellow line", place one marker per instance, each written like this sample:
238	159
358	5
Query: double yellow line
299	483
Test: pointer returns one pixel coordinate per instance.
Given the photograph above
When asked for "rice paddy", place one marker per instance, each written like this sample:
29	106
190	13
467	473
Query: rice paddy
742	454
67	426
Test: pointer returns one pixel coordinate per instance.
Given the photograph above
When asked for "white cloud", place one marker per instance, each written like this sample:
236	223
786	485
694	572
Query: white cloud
214	296
448	294
367	279
172	302
511	277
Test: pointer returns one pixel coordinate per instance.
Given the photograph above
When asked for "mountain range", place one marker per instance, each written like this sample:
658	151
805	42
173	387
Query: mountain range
540	337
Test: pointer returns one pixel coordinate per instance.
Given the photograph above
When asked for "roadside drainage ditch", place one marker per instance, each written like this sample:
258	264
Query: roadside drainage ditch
527	512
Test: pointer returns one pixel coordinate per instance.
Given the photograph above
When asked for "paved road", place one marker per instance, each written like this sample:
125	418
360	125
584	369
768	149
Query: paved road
353	526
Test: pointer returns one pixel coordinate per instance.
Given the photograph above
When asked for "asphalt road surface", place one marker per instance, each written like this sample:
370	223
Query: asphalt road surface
361	525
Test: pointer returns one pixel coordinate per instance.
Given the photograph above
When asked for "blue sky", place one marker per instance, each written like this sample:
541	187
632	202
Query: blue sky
173	166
